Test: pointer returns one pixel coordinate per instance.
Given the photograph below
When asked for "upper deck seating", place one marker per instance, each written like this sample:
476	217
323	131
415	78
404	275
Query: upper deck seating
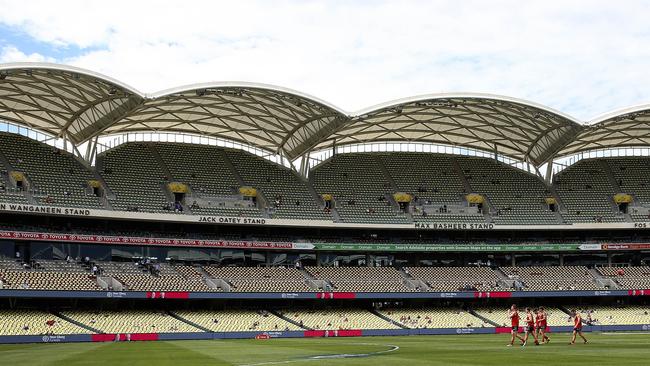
55	176
361	191
586	192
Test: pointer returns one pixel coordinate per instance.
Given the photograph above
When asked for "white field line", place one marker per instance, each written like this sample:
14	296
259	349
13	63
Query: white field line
392	348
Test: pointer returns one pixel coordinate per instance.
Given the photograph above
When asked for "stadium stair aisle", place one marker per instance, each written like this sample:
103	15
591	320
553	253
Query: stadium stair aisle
285	192
236	320
554	278
176	316
587	193
45	275
131	321
431	317
161	163
456	278
361	279
10	193
629	277
484	319
169	278
338	319
261	279
359	188
80	324
33	322
213	188
516	197
388	319
281	316
437	189
135	177
630	175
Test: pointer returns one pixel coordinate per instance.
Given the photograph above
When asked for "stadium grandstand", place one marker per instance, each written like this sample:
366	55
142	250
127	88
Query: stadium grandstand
241	210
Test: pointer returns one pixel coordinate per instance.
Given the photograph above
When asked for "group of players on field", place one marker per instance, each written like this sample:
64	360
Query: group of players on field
536	324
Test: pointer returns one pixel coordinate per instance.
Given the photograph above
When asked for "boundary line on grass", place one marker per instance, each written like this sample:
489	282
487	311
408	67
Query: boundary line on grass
392	348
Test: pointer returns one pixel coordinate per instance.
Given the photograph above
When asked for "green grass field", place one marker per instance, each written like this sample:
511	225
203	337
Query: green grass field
603	349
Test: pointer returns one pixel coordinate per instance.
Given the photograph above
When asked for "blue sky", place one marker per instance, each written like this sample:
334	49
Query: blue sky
18	38
582	58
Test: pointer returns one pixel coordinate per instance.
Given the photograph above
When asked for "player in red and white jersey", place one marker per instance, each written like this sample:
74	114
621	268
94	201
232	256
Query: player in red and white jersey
577	327
513	315
530	327
542	324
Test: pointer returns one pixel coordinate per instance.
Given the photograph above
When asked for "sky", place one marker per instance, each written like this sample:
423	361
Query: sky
583	58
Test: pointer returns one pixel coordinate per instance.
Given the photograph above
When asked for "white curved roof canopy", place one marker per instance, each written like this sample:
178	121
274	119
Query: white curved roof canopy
629	127
273	118
512	127
62	100
79	105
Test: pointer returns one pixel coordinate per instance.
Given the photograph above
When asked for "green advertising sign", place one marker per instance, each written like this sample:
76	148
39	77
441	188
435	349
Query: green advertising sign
447	247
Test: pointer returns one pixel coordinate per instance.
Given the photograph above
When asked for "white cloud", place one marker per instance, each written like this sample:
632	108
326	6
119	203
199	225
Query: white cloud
582	59
13	54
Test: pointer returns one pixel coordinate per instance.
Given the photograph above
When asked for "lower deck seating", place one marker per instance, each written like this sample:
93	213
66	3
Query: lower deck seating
139	278
135	276
556	317
615	315
553	278
33	322
131	321
45	275
361	279
237	320
7	264
635	277
456	278
338	319
38	280
261	279
424	318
